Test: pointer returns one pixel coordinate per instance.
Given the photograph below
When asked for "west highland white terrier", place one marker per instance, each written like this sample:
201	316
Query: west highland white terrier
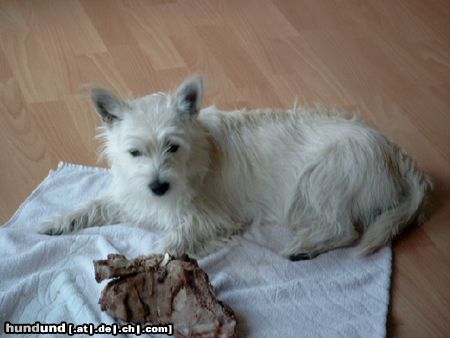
202	176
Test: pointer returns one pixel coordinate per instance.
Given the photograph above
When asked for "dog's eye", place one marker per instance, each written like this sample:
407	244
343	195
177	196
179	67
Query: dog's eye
135	153
172	148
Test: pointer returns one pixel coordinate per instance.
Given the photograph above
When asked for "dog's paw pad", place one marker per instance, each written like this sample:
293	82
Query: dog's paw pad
299	257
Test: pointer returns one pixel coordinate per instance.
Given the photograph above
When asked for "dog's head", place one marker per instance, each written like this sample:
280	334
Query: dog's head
155	144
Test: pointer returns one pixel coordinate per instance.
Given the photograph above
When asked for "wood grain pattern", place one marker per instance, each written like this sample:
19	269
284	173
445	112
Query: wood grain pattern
388	60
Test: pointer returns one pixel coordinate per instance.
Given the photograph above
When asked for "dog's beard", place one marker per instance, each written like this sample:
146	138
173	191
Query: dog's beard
136	188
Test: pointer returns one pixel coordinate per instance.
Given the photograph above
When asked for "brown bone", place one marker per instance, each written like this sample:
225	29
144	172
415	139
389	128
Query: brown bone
161	289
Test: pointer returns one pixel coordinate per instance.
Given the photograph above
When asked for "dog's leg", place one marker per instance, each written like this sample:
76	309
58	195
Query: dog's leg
96	213
198	239
307	243
174	244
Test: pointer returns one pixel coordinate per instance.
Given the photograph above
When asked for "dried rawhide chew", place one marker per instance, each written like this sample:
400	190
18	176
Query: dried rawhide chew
162	289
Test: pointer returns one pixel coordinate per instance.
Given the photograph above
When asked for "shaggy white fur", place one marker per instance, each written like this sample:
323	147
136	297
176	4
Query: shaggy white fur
202	176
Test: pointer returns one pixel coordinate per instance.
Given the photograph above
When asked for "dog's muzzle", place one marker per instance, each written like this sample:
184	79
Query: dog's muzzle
159	188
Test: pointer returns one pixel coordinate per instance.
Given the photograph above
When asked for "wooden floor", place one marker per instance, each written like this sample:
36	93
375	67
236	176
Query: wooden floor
388	59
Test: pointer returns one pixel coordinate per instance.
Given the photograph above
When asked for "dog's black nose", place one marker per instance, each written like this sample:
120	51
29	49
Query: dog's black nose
159	188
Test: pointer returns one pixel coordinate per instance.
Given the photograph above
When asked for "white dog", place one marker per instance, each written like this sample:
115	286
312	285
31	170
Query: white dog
202	176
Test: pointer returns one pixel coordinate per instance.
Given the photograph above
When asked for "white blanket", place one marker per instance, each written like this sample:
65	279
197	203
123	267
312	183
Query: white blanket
50	279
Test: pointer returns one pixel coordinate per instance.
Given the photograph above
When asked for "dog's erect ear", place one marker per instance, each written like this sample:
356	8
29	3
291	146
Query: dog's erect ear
188	97
108	106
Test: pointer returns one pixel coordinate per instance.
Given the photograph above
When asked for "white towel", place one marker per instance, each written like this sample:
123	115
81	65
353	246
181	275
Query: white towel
50	279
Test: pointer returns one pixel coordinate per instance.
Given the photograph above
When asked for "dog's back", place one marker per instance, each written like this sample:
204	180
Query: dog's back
318	169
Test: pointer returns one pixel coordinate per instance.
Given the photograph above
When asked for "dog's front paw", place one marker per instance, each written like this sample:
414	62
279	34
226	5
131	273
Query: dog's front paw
164	248
54	227
50	228
168	245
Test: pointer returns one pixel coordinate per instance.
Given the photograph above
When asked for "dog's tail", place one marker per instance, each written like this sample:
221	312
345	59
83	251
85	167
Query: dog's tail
385	226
